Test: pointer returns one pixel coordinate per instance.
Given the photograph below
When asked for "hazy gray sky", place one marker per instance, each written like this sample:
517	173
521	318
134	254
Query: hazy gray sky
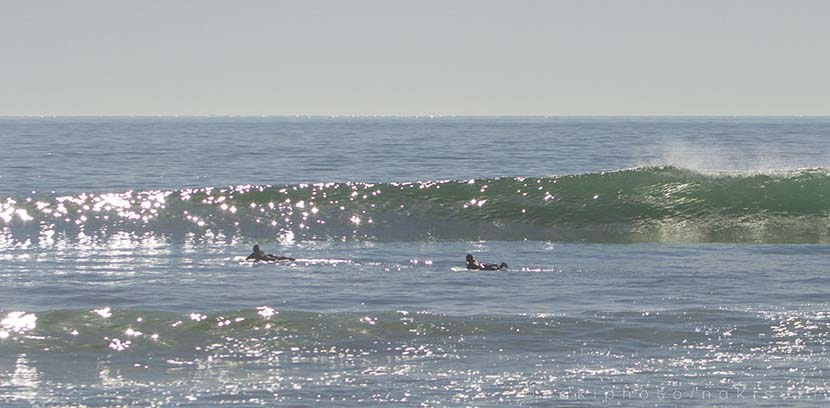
415	57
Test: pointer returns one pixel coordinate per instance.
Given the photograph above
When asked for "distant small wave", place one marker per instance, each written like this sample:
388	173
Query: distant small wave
124	330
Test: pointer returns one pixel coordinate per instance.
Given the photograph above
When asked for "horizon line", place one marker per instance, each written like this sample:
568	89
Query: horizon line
410	116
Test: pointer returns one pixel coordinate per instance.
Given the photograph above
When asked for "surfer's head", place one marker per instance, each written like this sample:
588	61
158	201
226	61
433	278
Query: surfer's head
470	258
256	248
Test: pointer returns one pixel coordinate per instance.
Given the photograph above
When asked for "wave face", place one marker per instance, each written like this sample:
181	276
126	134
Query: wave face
650	204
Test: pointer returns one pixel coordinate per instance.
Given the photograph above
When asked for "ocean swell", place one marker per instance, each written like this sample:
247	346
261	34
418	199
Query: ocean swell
649	204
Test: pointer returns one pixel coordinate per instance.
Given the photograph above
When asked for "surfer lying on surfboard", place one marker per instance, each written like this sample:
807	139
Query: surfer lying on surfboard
260	255
474	265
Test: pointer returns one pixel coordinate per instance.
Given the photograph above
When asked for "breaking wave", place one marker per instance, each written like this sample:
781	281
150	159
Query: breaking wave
648	204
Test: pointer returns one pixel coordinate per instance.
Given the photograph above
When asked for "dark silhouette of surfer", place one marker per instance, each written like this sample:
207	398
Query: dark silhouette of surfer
260	255
474	265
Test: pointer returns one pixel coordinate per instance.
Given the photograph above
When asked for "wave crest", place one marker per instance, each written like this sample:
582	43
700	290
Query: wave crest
660	204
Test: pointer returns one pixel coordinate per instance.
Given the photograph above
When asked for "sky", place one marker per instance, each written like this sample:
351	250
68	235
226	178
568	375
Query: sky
425	57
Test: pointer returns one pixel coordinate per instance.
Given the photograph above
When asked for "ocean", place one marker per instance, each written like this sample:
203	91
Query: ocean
653	261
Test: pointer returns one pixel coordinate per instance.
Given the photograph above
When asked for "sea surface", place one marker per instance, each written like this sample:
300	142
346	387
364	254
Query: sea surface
653	261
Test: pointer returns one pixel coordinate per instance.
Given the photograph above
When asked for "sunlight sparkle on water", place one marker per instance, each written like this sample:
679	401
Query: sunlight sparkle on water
17	322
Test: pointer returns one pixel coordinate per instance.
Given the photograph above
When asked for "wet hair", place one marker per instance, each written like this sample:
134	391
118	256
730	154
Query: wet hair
256	248
469	258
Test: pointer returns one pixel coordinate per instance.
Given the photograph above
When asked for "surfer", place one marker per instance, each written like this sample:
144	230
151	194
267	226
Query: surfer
474	265
260	255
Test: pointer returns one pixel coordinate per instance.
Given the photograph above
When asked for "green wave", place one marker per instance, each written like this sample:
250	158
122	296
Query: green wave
659	204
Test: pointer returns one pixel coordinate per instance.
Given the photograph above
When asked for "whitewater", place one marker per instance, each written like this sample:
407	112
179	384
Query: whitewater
654	261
